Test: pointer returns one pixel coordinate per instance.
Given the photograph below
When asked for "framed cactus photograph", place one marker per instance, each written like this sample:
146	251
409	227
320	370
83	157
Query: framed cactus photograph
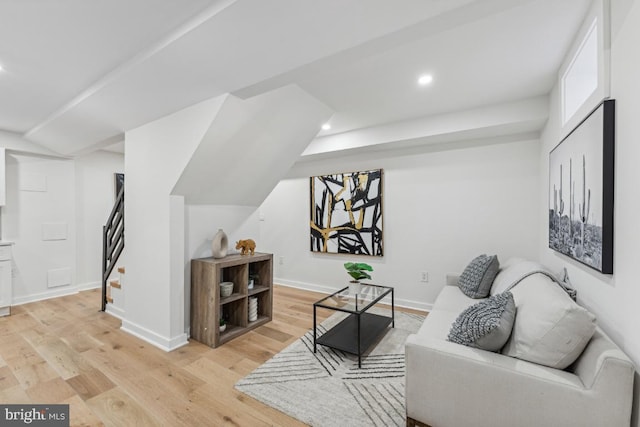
581	173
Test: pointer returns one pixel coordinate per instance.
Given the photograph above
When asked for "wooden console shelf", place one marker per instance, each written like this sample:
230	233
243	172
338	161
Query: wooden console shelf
207	307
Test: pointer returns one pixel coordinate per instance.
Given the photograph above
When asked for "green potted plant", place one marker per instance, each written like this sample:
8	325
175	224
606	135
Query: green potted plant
358	271
223	325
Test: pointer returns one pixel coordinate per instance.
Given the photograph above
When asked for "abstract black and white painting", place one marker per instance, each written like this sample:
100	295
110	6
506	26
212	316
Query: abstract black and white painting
581	191
346	213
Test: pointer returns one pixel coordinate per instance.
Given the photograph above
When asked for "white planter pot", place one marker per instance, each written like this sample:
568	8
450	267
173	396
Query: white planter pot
354	288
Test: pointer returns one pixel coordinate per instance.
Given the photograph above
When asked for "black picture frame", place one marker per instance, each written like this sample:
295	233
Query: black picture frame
118	179
581	167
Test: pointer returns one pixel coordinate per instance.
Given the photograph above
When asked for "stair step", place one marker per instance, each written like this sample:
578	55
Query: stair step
115	284
121	270
110	300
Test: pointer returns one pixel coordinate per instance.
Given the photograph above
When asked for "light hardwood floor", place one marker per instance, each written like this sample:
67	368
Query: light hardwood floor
64	350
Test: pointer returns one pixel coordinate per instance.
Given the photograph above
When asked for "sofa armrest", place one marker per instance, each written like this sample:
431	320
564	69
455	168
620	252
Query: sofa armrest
452	385
452	279
599	361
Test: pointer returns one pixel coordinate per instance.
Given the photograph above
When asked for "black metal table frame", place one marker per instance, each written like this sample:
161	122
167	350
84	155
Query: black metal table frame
357	313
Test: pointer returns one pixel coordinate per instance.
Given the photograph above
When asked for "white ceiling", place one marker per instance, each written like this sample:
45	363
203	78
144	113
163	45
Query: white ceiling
78	74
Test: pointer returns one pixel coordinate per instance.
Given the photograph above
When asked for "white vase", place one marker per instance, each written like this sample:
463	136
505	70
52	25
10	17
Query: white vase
253	309
219	245
354	288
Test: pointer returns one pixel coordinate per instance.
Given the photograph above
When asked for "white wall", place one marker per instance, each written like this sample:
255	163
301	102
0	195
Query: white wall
221	151
441	209
613	299
40	191
155	156
76	194
202	223
251	144
95	196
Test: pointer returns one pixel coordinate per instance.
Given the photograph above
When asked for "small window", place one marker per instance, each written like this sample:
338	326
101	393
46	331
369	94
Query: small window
580	79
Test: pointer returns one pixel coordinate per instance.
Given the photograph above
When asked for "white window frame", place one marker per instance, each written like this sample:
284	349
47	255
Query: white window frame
597	19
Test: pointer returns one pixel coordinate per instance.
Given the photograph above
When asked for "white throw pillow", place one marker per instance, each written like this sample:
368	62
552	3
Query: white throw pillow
550	328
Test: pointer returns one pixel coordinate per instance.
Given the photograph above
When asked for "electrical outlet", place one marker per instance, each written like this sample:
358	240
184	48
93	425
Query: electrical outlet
424	276
281	261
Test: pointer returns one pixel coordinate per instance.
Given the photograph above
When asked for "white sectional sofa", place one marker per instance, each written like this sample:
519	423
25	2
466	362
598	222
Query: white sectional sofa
452	385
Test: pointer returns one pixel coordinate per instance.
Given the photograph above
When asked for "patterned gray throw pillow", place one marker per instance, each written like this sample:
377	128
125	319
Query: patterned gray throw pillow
486	325
476	279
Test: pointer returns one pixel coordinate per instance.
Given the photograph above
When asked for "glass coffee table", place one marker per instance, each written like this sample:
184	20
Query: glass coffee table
356	333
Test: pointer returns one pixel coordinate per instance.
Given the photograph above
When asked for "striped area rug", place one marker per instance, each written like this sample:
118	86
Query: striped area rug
328	389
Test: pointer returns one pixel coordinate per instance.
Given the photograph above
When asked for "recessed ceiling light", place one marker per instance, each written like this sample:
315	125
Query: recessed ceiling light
425	79
326	126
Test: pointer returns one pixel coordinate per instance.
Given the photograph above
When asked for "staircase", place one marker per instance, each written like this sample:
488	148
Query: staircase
112	246
115	294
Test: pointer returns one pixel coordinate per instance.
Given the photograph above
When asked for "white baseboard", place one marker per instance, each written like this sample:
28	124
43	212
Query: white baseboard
88	285
114	311
306	286
398	302
156	340
56	292
416	305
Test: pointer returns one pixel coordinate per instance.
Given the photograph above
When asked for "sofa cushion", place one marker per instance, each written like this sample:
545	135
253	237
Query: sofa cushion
476	279
453	300
487	324
437	325
550	328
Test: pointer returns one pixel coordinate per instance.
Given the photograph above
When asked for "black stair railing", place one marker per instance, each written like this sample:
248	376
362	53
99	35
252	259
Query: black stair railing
112	242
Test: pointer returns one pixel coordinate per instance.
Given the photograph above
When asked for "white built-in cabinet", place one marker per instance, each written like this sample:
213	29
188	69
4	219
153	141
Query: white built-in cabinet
6	293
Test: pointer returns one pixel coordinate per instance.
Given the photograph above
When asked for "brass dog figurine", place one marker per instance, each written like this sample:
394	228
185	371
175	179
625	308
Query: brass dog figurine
247	246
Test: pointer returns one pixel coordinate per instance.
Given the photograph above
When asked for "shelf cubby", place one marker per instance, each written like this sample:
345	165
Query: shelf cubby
258	289
207	306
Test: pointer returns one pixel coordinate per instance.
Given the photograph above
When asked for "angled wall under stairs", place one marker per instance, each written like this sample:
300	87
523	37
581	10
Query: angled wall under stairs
223	151
250	145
